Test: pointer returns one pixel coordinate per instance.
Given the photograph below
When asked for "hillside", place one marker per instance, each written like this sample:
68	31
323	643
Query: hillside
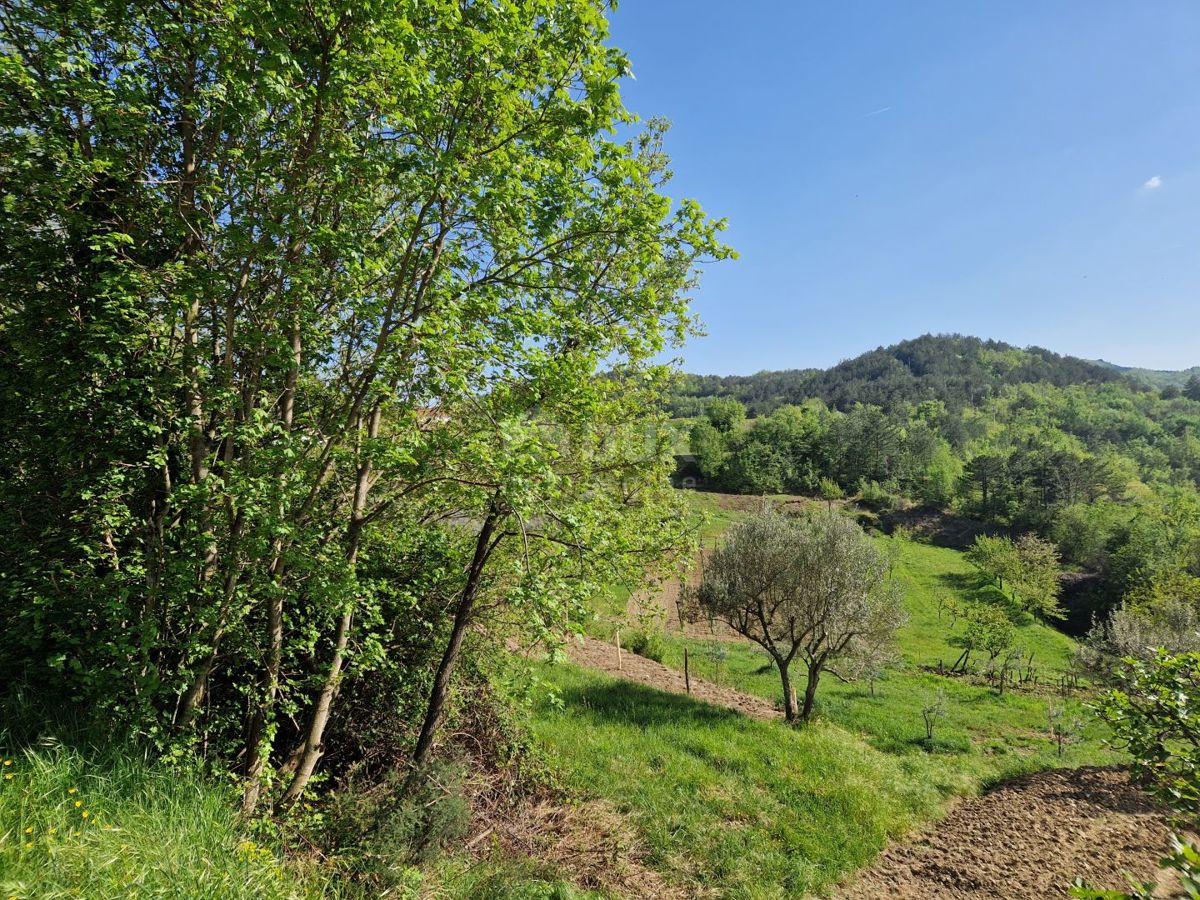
955	369
724	803
1156	378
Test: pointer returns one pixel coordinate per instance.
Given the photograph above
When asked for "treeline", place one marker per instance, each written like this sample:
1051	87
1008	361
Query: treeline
959	371
1106	471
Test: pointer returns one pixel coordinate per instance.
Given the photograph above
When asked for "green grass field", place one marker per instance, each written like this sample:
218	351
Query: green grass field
754	809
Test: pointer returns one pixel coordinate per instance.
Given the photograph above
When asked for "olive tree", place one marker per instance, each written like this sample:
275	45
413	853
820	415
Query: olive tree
813	588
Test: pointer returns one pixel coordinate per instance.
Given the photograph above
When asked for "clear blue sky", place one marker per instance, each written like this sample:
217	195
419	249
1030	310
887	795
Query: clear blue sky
1022	171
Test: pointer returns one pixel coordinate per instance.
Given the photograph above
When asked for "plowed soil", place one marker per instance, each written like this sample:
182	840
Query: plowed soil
1029	837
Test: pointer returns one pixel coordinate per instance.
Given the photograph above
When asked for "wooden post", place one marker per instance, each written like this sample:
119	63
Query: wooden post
620	663
687	677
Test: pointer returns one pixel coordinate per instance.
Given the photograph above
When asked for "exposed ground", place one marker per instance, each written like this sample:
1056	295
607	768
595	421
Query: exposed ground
1029	837
600	655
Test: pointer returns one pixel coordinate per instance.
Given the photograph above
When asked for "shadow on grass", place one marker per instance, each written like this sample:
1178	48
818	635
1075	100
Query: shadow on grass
637	704
978	588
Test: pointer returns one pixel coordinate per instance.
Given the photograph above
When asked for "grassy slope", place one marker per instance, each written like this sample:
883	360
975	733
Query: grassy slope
151	831
107	824
760	810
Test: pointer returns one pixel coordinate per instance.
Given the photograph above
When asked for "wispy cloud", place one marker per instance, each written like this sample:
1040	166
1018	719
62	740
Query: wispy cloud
882	109
1152	184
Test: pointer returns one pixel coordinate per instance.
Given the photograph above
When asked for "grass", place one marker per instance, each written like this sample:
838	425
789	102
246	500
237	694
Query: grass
103	824
750	809
95	819
754	809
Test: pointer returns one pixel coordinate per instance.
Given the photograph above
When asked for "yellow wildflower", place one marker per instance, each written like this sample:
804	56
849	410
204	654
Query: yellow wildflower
78	803
70	790
85	813
8	762
8	777
29	831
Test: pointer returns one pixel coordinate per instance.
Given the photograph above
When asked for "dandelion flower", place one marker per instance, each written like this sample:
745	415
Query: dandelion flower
8	762
8	777
85	813
29	831
78	803
70	790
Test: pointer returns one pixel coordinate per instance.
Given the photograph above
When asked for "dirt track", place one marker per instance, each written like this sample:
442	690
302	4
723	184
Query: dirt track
603	656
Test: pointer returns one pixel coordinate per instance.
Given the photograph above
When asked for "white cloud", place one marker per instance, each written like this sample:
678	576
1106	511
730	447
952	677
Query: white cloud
1152	184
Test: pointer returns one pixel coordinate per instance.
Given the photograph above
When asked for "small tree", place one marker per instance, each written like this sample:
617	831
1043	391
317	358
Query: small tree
815	588
996	557
989	630
1035	580
1063	731
932	712
829	491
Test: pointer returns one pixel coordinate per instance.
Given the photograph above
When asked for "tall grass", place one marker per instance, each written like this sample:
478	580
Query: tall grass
89	816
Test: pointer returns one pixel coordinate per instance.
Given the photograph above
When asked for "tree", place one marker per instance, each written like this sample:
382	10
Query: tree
1191	390
1151	712
726	414
996	557
709	447
1035	579
280	282
815	588
989	630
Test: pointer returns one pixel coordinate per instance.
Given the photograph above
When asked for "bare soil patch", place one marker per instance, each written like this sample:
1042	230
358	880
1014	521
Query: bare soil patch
601	655
1029	837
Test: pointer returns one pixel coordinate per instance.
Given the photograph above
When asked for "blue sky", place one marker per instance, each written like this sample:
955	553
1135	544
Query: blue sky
1022	171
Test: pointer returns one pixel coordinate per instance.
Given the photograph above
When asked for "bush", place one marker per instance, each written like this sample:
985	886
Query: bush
650	644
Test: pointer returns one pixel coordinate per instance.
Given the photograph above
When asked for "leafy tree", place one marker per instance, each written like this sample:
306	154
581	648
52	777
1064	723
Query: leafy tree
1035	579
816	589
989	630
996	557
1152	714
710	449
284	286
755	467
726	414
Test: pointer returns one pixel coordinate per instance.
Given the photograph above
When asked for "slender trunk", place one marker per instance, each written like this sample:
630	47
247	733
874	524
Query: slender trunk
313	747
789	689
810	691
484	545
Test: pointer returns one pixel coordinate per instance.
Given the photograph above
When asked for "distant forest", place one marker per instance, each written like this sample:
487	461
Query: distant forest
1028	440
958	370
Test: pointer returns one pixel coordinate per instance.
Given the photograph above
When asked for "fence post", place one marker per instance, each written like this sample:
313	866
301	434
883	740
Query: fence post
687	677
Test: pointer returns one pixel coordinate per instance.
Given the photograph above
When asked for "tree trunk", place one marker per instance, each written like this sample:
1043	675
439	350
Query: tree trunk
789	689
810	691
434	708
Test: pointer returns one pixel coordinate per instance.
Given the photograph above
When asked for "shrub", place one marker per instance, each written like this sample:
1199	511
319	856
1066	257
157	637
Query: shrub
647	643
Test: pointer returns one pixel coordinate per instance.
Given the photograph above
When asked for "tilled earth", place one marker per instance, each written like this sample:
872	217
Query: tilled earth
1028	838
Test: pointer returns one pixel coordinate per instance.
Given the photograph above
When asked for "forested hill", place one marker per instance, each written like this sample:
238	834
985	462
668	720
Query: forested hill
955	369
1157	378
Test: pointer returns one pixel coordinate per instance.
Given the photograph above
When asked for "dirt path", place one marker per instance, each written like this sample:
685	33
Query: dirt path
603	656
1029	837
